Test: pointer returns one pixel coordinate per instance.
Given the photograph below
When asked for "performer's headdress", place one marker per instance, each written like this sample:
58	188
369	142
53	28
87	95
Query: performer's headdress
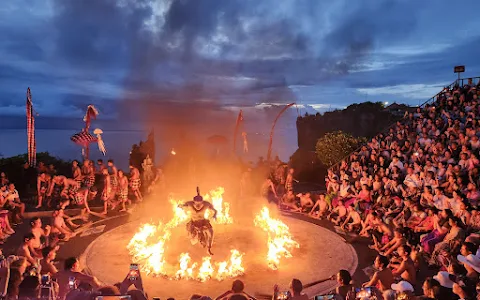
198	197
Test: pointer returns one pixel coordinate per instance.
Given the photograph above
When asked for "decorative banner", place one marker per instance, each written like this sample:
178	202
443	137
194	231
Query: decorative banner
84	137
237	126
31	141
245	142
101	145
269	153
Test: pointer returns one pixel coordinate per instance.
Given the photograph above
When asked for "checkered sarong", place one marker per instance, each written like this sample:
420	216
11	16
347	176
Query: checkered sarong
89	181
114	182
135	184
123	194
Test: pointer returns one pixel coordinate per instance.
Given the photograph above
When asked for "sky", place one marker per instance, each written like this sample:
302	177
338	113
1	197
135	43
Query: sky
323	55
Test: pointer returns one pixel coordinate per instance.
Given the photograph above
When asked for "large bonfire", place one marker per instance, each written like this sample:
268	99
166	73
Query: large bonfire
149	244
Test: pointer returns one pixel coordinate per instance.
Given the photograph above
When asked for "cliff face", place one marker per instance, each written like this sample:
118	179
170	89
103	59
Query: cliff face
364	119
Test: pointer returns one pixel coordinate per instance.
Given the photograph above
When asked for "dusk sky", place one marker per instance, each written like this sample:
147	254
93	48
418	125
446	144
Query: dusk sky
325	54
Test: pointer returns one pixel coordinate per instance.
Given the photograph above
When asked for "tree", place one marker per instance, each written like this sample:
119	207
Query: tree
335	146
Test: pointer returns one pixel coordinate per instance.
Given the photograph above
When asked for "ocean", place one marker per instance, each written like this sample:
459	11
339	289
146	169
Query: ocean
119	143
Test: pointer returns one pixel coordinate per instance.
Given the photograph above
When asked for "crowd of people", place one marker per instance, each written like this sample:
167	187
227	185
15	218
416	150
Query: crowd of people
32	270
413	192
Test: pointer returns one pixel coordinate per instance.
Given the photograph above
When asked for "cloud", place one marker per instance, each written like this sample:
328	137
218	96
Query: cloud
230	53
413	91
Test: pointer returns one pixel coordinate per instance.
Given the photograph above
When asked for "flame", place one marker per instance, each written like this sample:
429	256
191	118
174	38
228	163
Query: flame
148	246
206	270
223	208
185	271
231	268
280	241
173	152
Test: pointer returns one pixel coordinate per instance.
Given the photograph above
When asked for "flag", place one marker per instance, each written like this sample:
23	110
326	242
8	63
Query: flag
237	126
31	142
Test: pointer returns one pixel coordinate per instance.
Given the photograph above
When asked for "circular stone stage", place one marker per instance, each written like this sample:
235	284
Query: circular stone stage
321	254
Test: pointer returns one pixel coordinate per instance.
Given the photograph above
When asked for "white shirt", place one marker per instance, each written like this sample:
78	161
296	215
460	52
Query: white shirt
440	202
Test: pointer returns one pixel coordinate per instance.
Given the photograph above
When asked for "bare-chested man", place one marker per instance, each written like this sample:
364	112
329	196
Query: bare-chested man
40	234
198	224
135	183
60	228
88	173
289	180
306	202
383	278
107	193
56	190
113	172
122	190
322	205
268	190
26	250
76	172
406	269
43	181
353	222
338	214
289	202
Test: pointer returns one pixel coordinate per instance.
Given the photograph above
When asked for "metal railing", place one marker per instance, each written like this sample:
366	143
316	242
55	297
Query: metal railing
459	82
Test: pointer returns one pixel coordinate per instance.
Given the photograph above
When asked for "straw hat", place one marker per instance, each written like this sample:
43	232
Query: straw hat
444	279
470	260
402	286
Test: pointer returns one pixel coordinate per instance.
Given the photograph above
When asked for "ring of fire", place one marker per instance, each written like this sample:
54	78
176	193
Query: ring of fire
147	247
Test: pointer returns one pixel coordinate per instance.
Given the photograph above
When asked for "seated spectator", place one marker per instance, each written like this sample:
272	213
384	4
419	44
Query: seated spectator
446	284
353	222
323	208
338	214
346	286
404	267
47	265
17	269
451	239
59	227
26	250
306	202
403	290
13	203
440	229
41	235
72	269
296	288
383	278
237	290
289	202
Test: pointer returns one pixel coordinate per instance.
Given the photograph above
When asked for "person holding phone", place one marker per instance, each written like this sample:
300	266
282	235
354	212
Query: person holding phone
71	273
294	293
133	278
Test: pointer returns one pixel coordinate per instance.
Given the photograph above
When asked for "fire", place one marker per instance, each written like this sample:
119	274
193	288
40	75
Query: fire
148	246
223	208
280	241
173	152
206	270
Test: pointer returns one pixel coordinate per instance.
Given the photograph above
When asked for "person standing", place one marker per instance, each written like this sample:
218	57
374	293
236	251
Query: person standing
135	183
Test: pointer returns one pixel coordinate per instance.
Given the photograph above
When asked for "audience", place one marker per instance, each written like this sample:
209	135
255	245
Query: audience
420	180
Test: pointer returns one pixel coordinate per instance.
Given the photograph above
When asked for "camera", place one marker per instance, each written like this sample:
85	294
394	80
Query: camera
325	297
71	282
364	293
133	274
283	295
46	288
